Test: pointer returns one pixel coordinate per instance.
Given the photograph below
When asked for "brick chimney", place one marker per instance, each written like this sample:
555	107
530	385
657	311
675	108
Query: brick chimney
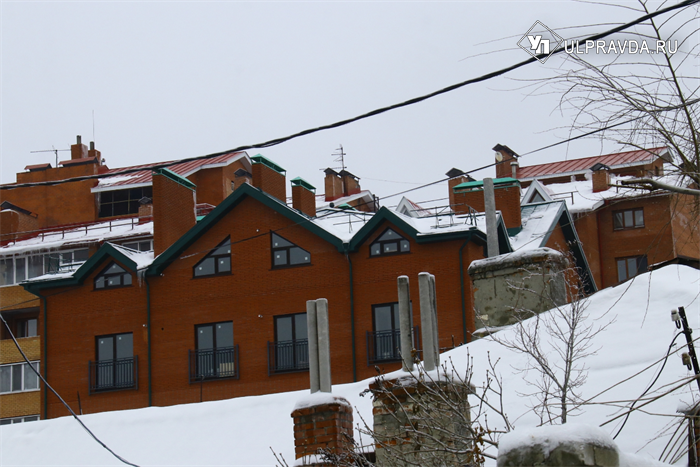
304	196
174	201
14	221
145	210
269	177
351	183
600	177
504	156
78	150
92	152
333	184
456	177
324	425
507	194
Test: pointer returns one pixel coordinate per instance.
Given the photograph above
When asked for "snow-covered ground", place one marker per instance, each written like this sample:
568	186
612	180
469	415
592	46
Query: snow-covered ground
242	431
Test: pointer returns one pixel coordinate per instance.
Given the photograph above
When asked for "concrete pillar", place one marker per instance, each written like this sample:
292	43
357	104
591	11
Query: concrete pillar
491	221
312	333
324	346
433	313
405	324
427	321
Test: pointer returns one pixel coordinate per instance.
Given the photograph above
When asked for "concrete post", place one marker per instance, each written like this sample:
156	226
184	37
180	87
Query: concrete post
324	345
312	334
426	322
405	324
491	221
433	312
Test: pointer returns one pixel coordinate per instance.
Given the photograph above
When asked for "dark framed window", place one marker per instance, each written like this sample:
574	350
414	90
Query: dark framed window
216	262
12	420
384	342
285	253
18	377
630	267
215	355
116	366
628	219
113	276
290	351
26	327
122	202
389	243
141	245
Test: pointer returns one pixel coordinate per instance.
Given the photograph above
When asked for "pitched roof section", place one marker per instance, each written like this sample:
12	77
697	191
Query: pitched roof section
617	160
144	177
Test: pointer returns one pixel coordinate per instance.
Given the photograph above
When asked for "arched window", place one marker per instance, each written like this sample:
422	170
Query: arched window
285	253
389	243
216	262
113	276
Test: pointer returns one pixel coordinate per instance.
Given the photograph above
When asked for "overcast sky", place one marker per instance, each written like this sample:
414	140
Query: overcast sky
169	80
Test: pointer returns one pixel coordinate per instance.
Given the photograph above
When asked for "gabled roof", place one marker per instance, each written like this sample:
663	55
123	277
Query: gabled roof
535	189
185	169
107	251
576	166
246	190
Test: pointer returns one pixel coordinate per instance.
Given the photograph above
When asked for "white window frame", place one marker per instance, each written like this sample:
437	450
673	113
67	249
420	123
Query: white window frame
22	364
44	263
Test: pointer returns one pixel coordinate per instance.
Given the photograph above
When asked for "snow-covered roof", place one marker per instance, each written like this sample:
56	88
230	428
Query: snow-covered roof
633	313
538	222
322	204
58	238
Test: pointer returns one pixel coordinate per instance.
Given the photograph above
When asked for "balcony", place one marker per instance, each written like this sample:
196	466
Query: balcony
385	346
213	364
288	356
114	375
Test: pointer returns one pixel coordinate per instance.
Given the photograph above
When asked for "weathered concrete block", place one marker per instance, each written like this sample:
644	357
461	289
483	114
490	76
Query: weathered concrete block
558	445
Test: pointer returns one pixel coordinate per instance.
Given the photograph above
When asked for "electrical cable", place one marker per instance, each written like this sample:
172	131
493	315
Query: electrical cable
372	113
24	356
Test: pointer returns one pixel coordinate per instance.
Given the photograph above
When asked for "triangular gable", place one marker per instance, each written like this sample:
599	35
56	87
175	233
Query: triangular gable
106	252
536	189
386	215
246	190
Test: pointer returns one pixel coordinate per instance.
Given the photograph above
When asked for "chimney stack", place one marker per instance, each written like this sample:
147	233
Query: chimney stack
92	152
456	177
269	177
506	193
303	196
351	183
514	169
504	156
600	177
333	185
78	150
174	201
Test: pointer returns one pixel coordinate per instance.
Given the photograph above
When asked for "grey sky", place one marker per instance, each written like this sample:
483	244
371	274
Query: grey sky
168	80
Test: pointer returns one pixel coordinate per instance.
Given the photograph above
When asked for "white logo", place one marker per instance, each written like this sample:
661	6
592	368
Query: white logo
540	43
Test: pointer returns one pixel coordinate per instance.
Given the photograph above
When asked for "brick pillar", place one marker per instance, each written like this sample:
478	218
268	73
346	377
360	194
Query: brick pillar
601	180
324	425
304	197
333	184
269	177
174	200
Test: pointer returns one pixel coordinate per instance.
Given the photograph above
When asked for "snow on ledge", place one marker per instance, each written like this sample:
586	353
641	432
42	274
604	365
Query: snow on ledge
550	437
319	398
309	460
516	258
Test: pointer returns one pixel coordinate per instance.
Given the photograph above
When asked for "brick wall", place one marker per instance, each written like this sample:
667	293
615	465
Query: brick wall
507	201
326	427
20	404
15	298
31	346
270	181
304	200
173	212
587	230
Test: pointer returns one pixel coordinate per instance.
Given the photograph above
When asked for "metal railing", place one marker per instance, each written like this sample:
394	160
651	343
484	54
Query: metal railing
288	356
385	346
213	364
111	375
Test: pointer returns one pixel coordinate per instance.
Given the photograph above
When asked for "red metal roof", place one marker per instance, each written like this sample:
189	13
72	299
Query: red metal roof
144	176
629	158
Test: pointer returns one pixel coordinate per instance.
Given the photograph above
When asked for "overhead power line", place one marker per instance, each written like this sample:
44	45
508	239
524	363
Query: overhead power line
415	100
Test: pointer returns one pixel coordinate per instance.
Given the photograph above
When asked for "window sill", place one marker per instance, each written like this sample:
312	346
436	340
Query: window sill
112	288
19	392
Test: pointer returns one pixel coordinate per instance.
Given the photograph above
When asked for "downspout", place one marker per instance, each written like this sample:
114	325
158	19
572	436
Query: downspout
461	288
148	326
352	317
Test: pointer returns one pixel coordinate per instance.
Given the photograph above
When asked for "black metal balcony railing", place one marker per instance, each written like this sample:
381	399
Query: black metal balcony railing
288	356
111	375
213	364
385	346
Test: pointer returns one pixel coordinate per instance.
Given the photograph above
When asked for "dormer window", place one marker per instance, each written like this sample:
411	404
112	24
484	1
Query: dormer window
217	262
113	276
389	243
285	253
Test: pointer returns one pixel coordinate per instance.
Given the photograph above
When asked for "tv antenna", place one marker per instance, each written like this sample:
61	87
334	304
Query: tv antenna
54	150
340	156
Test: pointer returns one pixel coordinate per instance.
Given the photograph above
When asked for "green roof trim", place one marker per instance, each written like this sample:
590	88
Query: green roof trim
345	206
260	159
106	251
176	178
480	183
199	218
303	183
245	191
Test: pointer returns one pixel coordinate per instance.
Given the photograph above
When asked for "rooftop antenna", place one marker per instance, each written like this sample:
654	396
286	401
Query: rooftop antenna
93	125
54	150
340	157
